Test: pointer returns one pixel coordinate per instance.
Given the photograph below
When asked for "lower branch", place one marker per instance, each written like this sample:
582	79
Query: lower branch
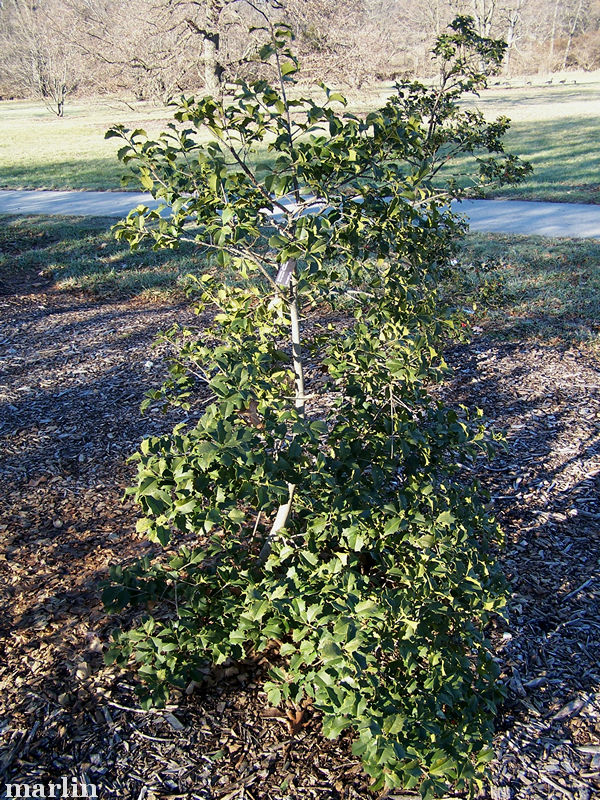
279	523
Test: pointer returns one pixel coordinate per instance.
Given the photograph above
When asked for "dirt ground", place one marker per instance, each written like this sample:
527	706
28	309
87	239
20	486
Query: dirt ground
74	371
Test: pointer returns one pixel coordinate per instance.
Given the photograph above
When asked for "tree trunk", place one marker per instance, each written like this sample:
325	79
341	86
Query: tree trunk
213	70
572	30
297	347
60	101
284	510
512	22
553	35
483	12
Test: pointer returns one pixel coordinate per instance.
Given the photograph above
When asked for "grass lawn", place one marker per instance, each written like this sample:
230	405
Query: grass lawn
81	253
556	127
566	167
40	151
531	285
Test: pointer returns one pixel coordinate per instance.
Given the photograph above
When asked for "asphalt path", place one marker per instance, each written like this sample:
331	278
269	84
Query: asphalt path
488	216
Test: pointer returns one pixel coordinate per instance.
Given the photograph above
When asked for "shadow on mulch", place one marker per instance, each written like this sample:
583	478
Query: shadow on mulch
80	365
545	489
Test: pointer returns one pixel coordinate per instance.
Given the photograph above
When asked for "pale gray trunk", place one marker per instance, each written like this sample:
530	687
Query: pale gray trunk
213	71
572	30
297	347
512	22
438	18
553	35
483	12
283	512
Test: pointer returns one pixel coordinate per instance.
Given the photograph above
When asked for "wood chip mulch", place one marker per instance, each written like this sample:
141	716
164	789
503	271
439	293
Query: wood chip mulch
74	371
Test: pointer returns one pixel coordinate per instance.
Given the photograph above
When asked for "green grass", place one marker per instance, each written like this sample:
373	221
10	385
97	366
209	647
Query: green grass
81	253
532	286
566	164
40	151
556	127
523	285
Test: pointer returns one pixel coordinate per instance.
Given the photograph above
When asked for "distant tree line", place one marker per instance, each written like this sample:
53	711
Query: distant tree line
150	49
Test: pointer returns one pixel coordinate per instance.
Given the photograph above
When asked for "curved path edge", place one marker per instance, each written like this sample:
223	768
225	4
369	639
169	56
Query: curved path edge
524	217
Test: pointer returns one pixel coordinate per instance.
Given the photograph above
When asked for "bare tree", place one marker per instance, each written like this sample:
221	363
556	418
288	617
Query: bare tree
36	54
157	48
351	41
216	30
512	21
483	12
575	23
419	22
553	31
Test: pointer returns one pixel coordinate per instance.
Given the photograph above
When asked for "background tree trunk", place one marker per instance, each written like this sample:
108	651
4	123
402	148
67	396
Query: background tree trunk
213	70
572	30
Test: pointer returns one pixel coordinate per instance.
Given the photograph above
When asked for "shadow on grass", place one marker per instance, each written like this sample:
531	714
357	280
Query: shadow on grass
87	173
81	253
566	164
533	286
564	156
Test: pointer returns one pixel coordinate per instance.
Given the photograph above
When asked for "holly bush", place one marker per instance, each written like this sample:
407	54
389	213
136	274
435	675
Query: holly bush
315	506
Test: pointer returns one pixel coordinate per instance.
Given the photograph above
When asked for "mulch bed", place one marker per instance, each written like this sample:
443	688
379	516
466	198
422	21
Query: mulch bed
74	371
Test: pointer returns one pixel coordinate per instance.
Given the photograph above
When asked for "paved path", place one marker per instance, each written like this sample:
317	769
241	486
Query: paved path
526	217
77	204
492	216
